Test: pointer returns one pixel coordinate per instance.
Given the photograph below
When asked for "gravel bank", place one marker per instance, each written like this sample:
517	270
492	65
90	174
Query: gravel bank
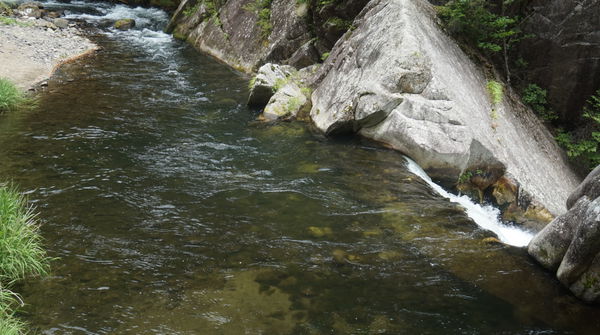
32	50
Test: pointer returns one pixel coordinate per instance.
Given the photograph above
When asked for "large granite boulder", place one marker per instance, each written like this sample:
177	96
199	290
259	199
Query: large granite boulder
399	79
570	244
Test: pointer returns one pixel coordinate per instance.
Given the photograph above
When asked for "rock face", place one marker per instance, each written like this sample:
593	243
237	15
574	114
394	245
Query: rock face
398	79
245	35
570	244
563	55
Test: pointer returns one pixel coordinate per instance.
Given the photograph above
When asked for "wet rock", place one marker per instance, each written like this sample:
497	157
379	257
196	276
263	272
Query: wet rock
398	79
61	23
53	14
570	244
266	82
124	24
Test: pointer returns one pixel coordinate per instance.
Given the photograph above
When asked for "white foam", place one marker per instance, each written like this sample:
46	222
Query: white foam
487	217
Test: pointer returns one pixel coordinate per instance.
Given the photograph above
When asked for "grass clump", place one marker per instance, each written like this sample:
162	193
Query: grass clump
10	96
21	254
496	91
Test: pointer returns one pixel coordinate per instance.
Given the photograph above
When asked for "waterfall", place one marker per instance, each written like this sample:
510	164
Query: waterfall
485	216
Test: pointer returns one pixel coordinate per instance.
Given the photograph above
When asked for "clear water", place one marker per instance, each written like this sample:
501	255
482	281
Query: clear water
171	211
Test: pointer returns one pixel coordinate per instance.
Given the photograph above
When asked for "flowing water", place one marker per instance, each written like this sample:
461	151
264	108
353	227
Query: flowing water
170	210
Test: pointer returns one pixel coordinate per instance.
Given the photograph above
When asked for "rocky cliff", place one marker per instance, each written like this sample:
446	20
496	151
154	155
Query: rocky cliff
398	79
563	54
248	33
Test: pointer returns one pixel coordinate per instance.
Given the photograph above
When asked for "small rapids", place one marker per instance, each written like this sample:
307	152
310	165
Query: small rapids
487	216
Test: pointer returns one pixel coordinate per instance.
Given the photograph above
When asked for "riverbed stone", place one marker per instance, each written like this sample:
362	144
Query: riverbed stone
399	79
268	79
124	24
61	23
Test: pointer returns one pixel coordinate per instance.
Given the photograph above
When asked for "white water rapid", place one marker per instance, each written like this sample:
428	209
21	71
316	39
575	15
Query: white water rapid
486	217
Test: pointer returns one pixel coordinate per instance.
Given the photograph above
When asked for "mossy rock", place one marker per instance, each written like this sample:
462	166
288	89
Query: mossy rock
124	24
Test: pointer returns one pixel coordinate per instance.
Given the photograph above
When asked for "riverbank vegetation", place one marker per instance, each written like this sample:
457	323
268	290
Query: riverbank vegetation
21	254
10	96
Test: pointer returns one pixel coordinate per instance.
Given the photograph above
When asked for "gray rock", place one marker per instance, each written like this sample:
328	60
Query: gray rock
398	79
61	23
266	82
285	103
590	187
305	56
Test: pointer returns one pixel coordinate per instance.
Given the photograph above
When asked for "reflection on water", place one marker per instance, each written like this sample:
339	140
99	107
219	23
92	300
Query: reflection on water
171	211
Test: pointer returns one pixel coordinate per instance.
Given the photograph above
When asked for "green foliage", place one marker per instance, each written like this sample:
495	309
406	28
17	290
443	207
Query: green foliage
10	96
192	10
582	145
535	97
496	91
474	20
21	254
465	177
324	56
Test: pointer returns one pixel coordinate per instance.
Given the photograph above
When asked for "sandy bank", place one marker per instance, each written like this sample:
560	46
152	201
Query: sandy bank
32	50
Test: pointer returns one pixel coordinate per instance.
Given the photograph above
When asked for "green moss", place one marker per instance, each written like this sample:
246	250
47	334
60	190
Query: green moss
279	83
324	56
293	104
252	82
495	90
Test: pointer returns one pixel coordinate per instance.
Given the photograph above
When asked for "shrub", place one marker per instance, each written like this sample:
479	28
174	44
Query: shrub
535	97
582	145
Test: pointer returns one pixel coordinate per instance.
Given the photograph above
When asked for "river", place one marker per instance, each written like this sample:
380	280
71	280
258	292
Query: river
170	210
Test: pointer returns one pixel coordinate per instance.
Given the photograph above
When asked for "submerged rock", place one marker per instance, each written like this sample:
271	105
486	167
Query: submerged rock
124	24
570	244
398	79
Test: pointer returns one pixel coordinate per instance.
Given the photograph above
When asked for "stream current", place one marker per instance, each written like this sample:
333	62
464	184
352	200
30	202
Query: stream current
170	210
